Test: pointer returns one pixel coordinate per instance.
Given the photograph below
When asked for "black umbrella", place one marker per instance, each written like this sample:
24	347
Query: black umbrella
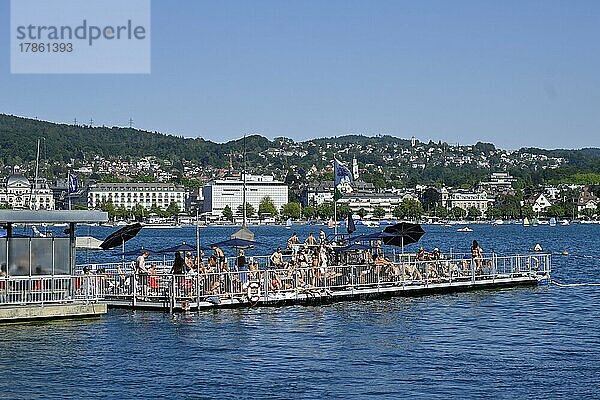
119	237
350	226
403	233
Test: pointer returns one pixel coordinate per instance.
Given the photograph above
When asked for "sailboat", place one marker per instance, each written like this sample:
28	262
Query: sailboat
288	223
552	221
526	221
244	232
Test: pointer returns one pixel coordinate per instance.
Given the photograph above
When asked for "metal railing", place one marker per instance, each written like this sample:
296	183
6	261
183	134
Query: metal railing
292	282
44	289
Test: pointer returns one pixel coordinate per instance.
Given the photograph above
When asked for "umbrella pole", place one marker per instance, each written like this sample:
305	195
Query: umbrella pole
197	237
123	253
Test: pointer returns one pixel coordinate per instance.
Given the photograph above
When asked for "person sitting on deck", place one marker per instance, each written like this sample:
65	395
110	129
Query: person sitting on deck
277	259
310	240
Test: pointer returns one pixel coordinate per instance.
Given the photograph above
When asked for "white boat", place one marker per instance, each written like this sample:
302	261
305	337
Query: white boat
526	221
564	222
288	223
499	222
161	226
465	229
552	221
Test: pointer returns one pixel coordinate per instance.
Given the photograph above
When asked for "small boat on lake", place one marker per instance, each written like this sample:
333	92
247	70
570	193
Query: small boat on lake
464	229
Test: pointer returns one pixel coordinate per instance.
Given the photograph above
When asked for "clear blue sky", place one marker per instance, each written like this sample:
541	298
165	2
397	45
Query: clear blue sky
515	73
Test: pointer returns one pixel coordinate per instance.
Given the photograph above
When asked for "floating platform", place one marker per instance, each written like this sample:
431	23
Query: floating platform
34	312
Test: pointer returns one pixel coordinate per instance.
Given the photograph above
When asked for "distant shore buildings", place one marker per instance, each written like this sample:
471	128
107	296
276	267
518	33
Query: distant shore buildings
18	193
220	193
128	195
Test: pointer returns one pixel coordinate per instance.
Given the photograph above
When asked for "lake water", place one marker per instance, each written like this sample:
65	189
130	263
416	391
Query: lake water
513	343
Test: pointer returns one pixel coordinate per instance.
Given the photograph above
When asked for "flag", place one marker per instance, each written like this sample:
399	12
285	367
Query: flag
73	183
342	178
350	225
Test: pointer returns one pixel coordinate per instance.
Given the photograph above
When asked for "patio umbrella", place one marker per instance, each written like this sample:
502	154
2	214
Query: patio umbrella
403	233
181	247
236	243
350	225
119	237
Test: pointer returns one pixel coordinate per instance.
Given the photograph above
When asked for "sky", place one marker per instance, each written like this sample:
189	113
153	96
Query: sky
514	73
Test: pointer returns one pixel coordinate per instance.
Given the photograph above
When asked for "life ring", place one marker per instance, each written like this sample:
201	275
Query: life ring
253	292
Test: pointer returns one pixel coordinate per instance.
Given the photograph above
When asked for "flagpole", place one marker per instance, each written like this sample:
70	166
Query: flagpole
69	188
334	204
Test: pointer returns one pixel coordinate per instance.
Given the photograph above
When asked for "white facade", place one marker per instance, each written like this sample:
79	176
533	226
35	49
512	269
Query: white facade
127	195
540	203
229	192
369	201
19	194
466	200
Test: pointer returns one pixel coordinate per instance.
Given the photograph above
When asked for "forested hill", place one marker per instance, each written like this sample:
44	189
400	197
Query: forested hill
384	160
18	138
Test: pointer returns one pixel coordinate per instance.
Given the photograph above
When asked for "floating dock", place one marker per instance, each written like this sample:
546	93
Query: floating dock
279	287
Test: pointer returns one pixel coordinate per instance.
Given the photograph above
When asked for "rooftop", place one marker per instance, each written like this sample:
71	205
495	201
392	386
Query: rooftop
51	217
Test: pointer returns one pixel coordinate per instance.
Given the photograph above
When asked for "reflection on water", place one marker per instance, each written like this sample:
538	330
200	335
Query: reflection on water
510	343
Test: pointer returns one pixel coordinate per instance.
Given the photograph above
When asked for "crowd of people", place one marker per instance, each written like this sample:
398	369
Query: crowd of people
305	264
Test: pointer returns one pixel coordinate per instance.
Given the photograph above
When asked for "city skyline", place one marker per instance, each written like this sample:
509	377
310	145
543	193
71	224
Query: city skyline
516	75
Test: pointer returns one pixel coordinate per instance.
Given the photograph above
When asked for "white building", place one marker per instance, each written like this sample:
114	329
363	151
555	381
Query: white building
127	195
539	203
369	201
229	192
18	193
466	200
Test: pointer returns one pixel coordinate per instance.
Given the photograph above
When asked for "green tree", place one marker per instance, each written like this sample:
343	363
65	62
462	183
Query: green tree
362	213
249	210
528	212
138	211
5	206
267	206
172	210
108	207
155	209
412	208
227	213
325	210
309	212
457	213
378	212
441	212
291	210
473	212
494	212
343	211
398	212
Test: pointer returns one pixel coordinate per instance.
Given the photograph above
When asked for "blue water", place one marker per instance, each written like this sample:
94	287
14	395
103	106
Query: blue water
541	342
